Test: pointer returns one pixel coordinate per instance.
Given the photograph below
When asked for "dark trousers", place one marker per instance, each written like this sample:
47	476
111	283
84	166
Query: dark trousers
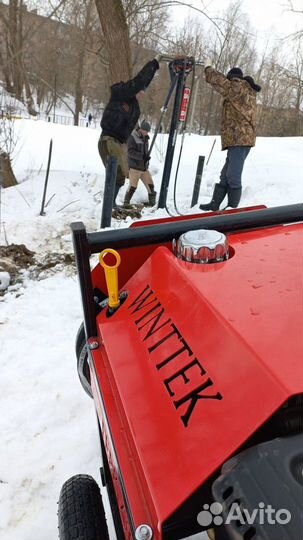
232	170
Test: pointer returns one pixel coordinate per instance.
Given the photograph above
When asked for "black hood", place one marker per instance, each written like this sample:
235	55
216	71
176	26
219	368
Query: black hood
252	83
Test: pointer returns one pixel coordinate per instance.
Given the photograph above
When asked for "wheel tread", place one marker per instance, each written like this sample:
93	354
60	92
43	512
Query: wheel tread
80	512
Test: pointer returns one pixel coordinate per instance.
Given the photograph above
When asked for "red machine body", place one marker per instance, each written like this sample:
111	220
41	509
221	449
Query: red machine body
193	363
133	258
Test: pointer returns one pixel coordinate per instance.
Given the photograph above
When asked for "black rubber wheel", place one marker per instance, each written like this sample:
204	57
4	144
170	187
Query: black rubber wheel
82	361
80	510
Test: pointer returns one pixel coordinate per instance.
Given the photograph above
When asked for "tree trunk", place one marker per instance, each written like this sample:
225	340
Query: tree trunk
115	30
4	67
298	110
80	66
7	177
209	112
15	45
29	96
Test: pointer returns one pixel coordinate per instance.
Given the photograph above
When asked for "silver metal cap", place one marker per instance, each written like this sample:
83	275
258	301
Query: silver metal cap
201	246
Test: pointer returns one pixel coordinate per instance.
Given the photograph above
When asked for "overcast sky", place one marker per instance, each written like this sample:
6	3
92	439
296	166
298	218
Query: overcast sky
267	16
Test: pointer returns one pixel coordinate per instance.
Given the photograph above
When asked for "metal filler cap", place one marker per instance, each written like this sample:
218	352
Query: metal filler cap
202	246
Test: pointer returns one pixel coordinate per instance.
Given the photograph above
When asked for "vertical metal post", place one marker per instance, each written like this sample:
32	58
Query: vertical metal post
198	179
42	213
163	112
171	142
210	153
109	191
82	254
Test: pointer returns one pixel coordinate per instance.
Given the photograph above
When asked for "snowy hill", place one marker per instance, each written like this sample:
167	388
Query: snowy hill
48	424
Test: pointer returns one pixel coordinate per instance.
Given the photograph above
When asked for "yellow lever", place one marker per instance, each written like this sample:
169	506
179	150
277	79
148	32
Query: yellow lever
111	276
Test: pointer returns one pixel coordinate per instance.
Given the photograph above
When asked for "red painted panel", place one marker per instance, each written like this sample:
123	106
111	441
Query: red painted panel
196	359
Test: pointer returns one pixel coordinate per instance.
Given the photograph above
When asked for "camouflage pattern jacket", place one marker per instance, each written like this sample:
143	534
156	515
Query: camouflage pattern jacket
238	121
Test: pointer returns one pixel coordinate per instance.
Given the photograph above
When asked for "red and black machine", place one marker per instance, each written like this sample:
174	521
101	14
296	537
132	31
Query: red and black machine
194	361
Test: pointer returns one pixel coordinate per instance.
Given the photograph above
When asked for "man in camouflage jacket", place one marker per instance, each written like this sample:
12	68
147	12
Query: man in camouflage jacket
238	131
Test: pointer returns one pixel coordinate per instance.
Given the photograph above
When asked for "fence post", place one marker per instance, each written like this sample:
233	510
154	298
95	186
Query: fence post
42	213
109	191
198	179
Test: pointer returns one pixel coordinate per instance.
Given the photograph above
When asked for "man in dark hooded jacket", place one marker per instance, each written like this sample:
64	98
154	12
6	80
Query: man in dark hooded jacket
238	131
120	117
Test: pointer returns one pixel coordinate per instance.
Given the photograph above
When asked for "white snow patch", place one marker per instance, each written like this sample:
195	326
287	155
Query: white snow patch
48	424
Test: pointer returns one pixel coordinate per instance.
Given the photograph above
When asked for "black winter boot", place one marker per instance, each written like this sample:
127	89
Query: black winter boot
218	196
152	198
151	195
128	195
234	196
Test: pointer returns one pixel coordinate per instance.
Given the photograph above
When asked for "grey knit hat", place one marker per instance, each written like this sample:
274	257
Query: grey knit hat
145	125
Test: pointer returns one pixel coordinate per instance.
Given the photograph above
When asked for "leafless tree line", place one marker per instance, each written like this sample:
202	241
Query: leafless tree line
55	52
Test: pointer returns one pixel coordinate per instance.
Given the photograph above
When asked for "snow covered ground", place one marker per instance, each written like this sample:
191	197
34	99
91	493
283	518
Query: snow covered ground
48	425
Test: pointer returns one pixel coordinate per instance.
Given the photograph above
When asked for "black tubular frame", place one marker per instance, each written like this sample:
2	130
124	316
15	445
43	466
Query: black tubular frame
179	69
109	191
171	141
198	179
85	244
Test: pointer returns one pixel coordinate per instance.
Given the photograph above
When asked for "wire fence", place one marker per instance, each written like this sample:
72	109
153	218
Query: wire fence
54	118
10	108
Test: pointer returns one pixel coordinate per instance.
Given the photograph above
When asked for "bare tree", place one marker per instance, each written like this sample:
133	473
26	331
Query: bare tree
281	77
233	47
12	24
292	8
15	40
147	23
80	15
68	55
297	79
7	145
115	30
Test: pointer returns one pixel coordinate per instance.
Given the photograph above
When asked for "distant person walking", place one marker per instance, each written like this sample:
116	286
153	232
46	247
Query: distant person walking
238	131
90	117
120	117
138	162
